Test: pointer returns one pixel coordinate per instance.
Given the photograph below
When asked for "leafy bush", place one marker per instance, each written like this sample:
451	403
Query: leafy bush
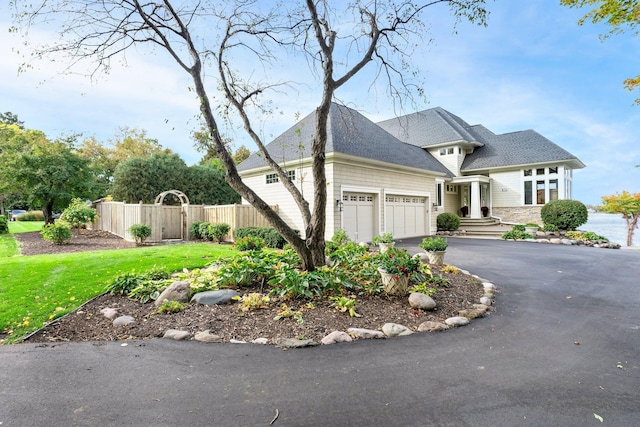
58	233
4	227
344	305
340	237
249	243
217	231
168	307
289	282
382	238
532	225
140	232
253	301
517	233
399	262
203	230
31	216
78	214
124	283
593	237
434	244
551	228
448	221
194	230
564	214
141	286
347	254
269	234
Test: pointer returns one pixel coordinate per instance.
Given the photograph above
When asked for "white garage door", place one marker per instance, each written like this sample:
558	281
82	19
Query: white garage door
406	216
358	216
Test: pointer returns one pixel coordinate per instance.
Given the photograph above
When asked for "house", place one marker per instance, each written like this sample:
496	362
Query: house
398	175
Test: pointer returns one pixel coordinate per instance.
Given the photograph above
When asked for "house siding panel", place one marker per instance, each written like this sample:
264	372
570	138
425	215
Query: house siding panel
506	188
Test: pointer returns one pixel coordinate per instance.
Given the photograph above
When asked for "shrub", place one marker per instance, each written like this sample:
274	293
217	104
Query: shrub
78	214
249	243
168	307
269	234
593	237
517	233
194	230
340	237
31	216
564	214
448	221
383	238
203	230
217	231
550	228
58	233
140	232
4	227
398	262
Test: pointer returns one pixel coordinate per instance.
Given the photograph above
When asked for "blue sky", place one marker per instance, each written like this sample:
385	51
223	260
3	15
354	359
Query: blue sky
533	67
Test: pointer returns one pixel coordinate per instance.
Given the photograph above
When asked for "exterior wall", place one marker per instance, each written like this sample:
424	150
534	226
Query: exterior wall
506	189
518	215
450	161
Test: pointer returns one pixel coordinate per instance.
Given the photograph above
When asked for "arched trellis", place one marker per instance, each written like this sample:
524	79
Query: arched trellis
179	194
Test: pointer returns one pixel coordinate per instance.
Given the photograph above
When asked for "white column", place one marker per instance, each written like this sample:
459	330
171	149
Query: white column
475	200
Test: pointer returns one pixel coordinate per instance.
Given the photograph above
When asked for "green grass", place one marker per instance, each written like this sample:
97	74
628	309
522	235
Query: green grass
25	226
8	246
37	289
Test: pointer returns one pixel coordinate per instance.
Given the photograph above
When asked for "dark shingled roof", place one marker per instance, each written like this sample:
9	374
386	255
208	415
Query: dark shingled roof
349	133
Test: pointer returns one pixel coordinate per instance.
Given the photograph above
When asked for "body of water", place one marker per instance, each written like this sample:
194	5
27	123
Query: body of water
611	226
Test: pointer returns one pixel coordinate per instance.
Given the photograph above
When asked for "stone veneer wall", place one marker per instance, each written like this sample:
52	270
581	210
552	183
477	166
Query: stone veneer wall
519	215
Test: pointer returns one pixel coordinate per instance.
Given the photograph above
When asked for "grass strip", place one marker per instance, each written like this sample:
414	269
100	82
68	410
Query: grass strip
8	246
37	289
25	226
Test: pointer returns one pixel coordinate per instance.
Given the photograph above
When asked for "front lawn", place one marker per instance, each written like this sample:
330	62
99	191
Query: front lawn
36	289
25	226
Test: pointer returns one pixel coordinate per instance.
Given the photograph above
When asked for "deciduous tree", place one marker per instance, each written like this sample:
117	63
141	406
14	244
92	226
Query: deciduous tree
335	39
628	205
620	15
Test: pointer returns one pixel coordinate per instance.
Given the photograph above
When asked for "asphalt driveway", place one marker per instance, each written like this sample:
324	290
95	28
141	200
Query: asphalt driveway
562	349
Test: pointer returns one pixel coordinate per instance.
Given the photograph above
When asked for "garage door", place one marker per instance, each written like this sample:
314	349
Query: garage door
358	216
405	216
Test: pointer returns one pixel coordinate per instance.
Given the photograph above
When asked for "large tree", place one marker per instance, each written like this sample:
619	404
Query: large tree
47	174
620	15
336	39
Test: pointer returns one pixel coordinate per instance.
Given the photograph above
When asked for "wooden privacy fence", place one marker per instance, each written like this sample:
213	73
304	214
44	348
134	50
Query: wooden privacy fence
172	222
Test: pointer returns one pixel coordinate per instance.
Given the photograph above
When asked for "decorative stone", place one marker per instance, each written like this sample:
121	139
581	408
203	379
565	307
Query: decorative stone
395	330
177	291
421	301
457	321
431	326
481	307
261	341
488	285
555	241
110	313
294	343
471	313
485	301
365	334
336	337
223	296
207	336
176	334
124	321
543	241
232	341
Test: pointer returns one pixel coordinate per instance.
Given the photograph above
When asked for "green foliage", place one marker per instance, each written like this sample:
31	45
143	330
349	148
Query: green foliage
347	254
286	312
564	214
289	283
345	305
203	230
434	244
205	185
531	224
168	307
586	236
217	232
551	228
254	301
269	234
398	261
450	269
140	232
448	221
340	237
194	230
249	243
58	233
124	283
4	227
141	286
517	232
626	204
424	288
439	280
382	238
31	216
78	214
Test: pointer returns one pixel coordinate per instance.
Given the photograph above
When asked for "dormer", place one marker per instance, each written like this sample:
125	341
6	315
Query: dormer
451	155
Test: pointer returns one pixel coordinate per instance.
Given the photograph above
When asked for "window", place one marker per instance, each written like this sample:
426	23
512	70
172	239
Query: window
439	193
540	171
459	150
553	189
540	192
451	189
527	193
450	150
272	178
443	151
553	170
547	186
527	172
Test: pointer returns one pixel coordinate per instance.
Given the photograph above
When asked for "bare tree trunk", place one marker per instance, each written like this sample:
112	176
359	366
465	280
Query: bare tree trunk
47	212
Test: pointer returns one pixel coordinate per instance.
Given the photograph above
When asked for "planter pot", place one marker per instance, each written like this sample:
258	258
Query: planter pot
394	284
384	246
436	257
485	213
531	230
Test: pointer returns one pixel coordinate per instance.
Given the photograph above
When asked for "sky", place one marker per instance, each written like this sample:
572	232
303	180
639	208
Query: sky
532	67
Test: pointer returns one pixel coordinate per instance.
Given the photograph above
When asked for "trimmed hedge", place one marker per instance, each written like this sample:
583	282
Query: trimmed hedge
31	216
564	214
448	221
271	237
4	227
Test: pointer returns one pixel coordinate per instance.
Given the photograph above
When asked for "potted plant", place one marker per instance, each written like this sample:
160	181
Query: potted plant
395	267
485	211
435	248
464	210
531	228
384	241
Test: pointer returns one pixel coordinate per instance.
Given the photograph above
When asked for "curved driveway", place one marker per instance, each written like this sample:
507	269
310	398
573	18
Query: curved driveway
562	349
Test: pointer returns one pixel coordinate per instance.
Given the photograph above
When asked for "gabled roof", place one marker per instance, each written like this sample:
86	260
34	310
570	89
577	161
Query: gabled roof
349	132
430	128
515	149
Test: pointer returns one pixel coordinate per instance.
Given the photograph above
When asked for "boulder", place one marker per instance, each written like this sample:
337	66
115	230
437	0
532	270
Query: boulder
395	330
365	334
223	296
124	321
207	336
294	343
177	291
421	301
431	326
336	337
110	313
176	334
457	321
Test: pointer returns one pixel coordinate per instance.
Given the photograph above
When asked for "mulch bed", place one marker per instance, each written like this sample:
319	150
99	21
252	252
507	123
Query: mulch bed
228	321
